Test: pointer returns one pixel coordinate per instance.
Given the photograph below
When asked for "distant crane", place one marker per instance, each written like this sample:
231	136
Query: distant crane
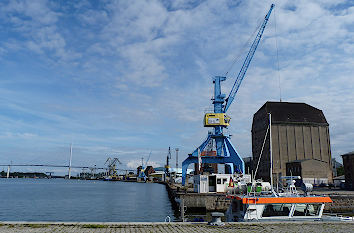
167	166
177	149
142	174
112	167
222	151
93	172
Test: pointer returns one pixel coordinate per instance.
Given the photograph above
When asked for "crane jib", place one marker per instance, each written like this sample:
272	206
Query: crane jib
246	63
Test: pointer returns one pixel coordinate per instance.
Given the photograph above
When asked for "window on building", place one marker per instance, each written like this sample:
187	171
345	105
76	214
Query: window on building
273	210
307	209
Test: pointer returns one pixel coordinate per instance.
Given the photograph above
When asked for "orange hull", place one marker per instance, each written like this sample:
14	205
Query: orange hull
274	200
271	200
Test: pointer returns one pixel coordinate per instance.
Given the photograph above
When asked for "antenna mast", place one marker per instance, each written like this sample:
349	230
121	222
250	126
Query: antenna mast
71	157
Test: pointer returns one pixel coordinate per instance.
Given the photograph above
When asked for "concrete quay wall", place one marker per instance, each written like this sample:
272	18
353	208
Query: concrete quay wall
210	202
196	201
341	203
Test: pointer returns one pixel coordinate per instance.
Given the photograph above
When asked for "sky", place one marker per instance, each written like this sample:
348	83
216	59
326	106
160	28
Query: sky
123	78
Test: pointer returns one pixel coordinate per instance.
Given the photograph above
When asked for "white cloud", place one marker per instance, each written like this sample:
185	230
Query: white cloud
36	25
37	10
133	164
94	17
11	135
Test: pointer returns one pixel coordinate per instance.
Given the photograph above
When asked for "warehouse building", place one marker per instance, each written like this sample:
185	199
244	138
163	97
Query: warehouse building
300	140
348	163
305	169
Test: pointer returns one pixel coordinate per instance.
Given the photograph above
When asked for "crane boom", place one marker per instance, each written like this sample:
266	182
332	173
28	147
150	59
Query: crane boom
247	61
148	159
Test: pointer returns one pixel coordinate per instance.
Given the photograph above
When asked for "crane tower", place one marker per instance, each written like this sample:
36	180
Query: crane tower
112	168
217	148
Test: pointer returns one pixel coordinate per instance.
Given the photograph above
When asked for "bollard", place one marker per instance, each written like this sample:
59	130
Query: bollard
168	219
182	209
216	219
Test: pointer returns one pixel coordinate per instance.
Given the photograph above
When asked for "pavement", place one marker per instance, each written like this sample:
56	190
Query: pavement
19	227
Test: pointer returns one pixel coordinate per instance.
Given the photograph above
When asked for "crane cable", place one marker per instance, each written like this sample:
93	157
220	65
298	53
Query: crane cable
277	50
244	47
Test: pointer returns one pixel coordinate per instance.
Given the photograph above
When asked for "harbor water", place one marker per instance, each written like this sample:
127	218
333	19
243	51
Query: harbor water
83	201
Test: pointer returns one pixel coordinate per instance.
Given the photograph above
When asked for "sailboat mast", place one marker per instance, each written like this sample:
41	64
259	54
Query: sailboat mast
271	153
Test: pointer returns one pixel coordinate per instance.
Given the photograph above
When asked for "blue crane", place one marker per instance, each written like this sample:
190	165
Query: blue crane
217	148
142	174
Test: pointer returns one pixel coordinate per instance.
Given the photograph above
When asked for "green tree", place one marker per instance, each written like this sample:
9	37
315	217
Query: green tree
340	171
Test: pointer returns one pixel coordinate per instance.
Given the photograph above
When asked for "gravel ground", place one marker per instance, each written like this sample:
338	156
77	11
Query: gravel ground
177	227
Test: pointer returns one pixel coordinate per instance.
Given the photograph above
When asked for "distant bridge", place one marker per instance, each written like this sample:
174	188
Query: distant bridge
60	166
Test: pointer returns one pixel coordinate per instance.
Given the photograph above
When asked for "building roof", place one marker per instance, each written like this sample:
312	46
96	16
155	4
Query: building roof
349	154
342	177
247	159
304	160
159	169
287	112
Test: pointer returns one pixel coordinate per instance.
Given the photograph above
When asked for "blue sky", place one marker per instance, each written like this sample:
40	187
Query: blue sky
126	77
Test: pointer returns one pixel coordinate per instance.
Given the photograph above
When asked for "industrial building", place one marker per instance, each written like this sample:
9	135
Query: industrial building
348	163
335	166
305	169
148	170
206	168
300	142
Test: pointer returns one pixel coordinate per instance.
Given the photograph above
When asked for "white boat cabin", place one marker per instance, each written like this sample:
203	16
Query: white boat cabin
276	208
216	183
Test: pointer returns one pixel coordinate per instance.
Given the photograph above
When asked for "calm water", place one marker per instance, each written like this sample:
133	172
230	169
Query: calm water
77	200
